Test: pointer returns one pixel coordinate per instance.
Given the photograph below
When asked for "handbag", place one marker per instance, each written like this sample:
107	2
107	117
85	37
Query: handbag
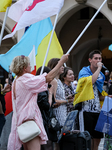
54	124
27	130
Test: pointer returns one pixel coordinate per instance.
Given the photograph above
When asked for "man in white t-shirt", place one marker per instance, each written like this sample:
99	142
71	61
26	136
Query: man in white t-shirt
92	77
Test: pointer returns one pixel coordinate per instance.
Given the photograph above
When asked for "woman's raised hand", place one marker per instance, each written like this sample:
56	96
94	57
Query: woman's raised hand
64	58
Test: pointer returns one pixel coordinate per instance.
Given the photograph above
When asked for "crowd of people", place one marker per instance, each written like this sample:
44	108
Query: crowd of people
27	87
51	96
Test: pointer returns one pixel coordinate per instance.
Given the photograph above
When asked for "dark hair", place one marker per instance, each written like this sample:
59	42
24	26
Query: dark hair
53	62
91	54
66	69
75	77
46	69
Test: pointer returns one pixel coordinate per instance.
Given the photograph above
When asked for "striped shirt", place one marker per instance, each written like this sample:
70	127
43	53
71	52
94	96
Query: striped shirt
26	88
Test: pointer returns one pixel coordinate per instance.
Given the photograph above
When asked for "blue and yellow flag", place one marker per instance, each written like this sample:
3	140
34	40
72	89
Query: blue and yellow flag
85	87
4	4
37	34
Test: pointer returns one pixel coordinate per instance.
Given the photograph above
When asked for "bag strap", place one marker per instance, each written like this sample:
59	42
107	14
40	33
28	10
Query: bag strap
14	106
14	89
13	101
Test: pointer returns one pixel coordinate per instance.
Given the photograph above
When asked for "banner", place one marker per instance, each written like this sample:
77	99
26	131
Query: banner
104	123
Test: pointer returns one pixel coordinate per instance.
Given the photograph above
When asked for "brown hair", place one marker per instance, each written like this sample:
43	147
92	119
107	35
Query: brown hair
46	69
53	62
91	54
66	69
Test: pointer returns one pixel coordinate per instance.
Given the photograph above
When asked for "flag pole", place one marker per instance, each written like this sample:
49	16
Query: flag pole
65	65
49	44
86	28
3	26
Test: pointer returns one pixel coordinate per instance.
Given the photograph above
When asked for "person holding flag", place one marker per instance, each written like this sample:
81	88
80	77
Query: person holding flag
90	92
25	88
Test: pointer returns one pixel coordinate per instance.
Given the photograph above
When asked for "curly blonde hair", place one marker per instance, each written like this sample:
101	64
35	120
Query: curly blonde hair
18	64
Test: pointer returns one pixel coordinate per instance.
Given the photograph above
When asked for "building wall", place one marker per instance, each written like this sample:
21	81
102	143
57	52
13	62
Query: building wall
97	36
68	28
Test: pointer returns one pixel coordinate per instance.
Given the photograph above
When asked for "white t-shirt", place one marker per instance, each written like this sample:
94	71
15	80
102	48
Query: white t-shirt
92	105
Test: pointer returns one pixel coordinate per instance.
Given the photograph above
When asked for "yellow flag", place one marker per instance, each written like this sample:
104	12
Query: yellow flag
4	4
55	50
84	90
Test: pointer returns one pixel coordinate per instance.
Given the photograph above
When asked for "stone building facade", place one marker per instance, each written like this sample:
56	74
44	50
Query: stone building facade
71	21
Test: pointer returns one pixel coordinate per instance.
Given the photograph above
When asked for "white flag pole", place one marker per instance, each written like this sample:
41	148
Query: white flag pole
49	43
3	26
65	65
86	28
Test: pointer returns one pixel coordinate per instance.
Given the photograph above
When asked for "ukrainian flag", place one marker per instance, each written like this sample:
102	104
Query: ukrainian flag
4	4
85	87
55	50
37	34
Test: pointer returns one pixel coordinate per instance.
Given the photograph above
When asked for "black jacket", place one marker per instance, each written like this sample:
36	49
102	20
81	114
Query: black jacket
47	113
110	90
2	100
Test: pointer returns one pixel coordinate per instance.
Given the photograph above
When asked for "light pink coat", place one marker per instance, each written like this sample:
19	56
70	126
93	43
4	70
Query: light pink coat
27	87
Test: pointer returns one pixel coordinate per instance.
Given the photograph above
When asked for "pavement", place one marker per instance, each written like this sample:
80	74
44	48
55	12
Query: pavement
100	145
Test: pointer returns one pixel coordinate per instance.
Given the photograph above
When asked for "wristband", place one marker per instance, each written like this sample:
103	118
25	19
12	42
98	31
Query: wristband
67	101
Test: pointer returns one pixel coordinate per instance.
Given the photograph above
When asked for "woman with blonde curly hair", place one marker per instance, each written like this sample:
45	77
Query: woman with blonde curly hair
24	94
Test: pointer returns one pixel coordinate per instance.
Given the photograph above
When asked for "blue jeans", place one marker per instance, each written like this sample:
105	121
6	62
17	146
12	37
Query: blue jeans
2	122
